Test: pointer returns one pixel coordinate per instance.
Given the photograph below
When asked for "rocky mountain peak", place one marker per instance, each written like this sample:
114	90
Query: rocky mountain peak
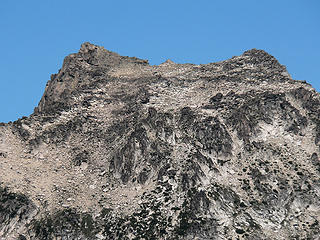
258	53
99	56
91	63
261	57
119	149
87	46
96	64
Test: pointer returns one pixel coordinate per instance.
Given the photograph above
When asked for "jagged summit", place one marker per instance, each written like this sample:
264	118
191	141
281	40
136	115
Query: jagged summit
87	46
119	149
104	57
258	53
96	64
258	56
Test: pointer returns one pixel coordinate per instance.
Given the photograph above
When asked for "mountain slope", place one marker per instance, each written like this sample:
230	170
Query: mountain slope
119	149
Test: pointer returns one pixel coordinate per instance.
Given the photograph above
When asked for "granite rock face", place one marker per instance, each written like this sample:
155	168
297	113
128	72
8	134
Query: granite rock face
119	149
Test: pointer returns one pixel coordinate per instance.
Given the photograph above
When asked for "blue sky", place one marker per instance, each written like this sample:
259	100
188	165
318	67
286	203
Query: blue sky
36	36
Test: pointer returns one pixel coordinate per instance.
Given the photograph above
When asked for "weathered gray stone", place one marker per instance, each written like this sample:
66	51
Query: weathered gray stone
119	149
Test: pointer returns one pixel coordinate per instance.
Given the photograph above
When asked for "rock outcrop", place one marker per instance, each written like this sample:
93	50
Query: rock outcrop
119	149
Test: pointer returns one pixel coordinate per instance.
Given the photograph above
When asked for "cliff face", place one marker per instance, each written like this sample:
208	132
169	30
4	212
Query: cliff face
119	149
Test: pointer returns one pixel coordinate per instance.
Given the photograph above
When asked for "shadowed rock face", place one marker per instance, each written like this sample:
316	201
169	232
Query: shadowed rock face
119	149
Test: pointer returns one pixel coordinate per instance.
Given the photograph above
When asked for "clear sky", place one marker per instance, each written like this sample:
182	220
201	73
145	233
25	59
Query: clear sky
36	35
